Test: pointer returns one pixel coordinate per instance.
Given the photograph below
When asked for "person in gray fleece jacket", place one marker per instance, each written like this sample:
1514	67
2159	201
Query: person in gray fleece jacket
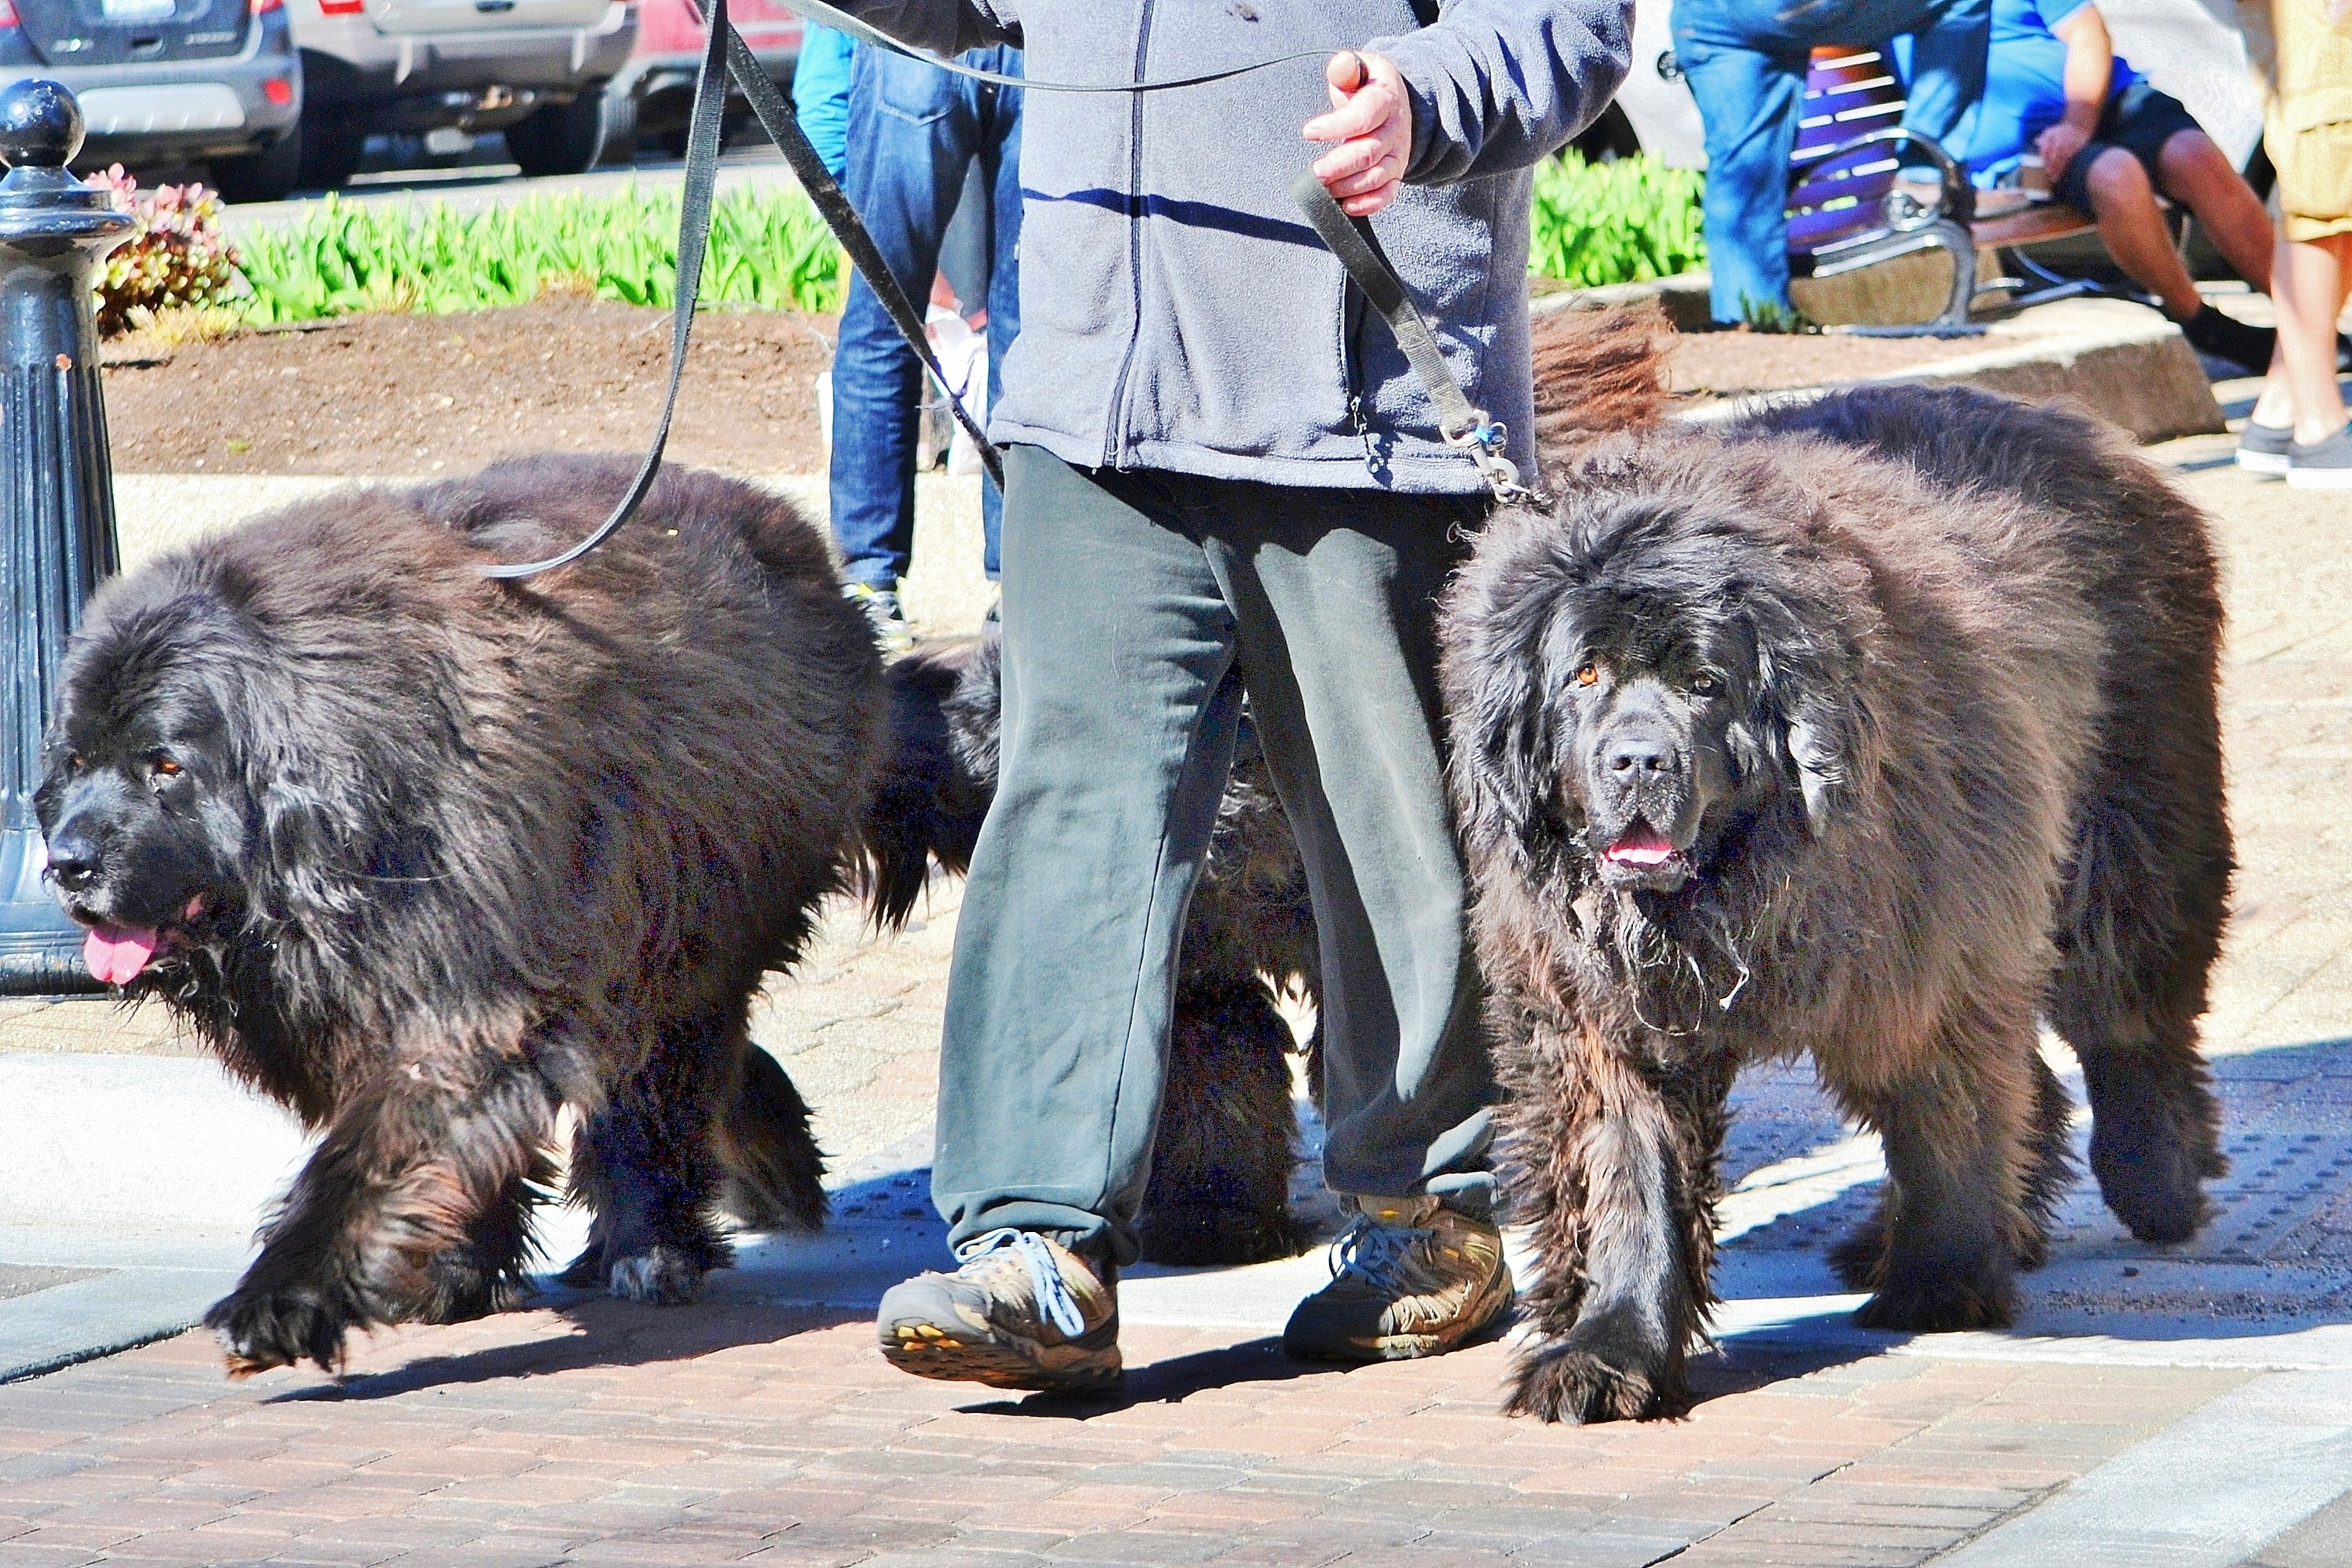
1218	463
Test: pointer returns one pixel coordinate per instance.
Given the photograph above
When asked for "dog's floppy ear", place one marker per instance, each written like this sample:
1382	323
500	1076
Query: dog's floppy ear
1808	690
1820	749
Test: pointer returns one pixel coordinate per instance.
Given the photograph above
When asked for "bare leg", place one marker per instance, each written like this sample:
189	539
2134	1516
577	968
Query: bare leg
2133	231
2307	284
2197	175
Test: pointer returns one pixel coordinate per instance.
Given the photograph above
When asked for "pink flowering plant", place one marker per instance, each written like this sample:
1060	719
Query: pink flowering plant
177	254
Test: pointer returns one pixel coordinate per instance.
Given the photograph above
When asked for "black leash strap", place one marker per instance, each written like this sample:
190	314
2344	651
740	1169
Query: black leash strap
1462	426
693	236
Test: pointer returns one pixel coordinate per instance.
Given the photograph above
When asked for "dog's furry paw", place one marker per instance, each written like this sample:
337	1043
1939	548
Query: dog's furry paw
661	1275
1942	1304
1190	1236
261	1329
2154	1188
1566	1381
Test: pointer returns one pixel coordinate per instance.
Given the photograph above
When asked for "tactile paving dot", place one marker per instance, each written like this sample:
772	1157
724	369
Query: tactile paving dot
2277	1182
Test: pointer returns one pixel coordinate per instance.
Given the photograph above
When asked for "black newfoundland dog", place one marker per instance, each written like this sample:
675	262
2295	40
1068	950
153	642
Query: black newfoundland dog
1221	1160
1876	729
425	856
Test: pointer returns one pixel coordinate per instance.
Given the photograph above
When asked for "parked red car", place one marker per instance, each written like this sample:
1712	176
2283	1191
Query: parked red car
656	89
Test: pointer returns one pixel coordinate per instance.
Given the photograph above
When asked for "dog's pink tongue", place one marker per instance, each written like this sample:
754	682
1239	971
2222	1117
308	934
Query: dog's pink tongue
1641	845
116	953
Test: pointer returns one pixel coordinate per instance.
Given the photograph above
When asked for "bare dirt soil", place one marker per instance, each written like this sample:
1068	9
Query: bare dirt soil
404	395
401	396
1726	364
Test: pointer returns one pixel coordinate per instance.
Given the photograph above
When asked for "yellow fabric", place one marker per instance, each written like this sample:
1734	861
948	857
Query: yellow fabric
2307	128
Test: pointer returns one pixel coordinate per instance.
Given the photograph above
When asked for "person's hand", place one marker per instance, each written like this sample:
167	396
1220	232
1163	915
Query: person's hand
2058	146
1371	119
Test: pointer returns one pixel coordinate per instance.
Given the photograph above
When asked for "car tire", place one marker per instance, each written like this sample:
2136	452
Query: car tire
620	143
560	138
330	151
271	174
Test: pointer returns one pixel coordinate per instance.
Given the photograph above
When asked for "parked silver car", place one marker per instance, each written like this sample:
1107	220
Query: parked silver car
163	82
533	68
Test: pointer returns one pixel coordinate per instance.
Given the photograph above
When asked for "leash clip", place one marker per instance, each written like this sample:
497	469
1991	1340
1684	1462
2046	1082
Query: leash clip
1484	440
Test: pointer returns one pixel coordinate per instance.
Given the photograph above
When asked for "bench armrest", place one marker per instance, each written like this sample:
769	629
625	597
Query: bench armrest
1956	199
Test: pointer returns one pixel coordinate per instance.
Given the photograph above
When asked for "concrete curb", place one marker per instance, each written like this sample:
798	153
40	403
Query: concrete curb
2128	365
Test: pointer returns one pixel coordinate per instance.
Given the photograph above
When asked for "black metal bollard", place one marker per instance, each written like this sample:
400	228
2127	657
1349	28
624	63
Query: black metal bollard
57	490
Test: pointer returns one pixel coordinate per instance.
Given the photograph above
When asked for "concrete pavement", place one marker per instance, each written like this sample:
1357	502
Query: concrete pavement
2157	1405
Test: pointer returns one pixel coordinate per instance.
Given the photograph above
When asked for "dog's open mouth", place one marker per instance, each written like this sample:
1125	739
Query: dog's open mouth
1640	847
118	955
115	954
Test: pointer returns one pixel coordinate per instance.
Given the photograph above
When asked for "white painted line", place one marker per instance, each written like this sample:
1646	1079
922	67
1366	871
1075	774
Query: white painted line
2208	1493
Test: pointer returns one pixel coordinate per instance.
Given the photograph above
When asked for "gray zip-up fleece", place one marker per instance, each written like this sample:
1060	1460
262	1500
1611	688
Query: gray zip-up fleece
1178	313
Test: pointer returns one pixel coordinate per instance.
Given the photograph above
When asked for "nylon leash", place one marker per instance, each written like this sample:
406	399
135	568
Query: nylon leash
1462	426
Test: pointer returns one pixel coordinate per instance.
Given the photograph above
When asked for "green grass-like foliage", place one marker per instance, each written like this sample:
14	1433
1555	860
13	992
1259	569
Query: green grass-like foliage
1594	223
768	247
1619	222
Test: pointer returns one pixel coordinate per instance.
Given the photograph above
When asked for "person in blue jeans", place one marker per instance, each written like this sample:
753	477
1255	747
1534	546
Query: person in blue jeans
914	129
1746	62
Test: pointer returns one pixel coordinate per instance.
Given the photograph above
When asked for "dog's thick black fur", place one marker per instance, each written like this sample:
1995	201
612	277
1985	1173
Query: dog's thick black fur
1221	1162
1875	729
426	856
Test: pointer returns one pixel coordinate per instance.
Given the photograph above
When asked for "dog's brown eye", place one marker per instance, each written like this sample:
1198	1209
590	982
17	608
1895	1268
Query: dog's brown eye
1588	675
164	767
1706	686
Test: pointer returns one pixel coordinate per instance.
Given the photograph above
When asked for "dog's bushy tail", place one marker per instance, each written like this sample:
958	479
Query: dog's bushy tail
775	1176
940	777
1597	373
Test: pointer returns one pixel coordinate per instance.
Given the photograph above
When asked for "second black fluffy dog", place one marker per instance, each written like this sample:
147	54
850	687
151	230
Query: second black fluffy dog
1221	1163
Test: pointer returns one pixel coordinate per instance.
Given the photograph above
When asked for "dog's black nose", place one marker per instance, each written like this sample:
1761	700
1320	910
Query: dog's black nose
1640	757
73	859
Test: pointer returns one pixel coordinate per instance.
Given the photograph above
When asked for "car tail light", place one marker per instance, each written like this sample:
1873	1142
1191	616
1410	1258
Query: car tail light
263	8
7	15
342	8
277	89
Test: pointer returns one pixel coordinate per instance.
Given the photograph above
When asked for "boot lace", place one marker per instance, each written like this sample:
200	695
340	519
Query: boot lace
1390	1258
1051	1291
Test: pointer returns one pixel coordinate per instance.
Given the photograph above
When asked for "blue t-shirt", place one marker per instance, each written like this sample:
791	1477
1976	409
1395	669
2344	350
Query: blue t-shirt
2025	85
820	94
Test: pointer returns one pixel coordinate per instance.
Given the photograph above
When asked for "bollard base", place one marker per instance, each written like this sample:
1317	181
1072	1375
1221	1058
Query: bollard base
40	949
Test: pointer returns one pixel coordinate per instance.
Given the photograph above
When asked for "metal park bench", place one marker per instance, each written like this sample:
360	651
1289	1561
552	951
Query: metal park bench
1845	212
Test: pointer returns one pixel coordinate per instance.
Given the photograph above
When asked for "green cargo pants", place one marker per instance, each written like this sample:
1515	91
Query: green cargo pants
1127	599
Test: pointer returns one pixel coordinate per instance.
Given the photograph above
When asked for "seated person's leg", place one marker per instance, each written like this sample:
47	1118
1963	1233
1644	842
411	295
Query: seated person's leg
2199	175
1749	101
2108	183
2115	179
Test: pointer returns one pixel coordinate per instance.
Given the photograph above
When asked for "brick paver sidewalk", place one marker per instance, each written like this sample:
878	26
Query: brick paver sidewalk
630	1434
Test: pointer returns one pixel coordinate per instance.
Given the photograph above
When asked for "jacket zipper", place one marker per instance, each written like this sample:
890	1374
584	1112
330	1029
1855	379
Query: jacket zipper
1115	423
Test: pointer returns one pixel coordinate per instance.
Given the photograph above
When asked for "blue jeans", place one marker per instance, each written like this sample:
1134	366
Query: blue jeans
1746	62
913	130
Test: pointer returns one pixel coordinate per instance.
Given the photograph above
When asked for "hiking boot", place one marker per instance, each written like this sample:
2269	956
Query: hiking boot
2221	336
2262	449
882	608
1409	1277
1022	1311
2322	465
